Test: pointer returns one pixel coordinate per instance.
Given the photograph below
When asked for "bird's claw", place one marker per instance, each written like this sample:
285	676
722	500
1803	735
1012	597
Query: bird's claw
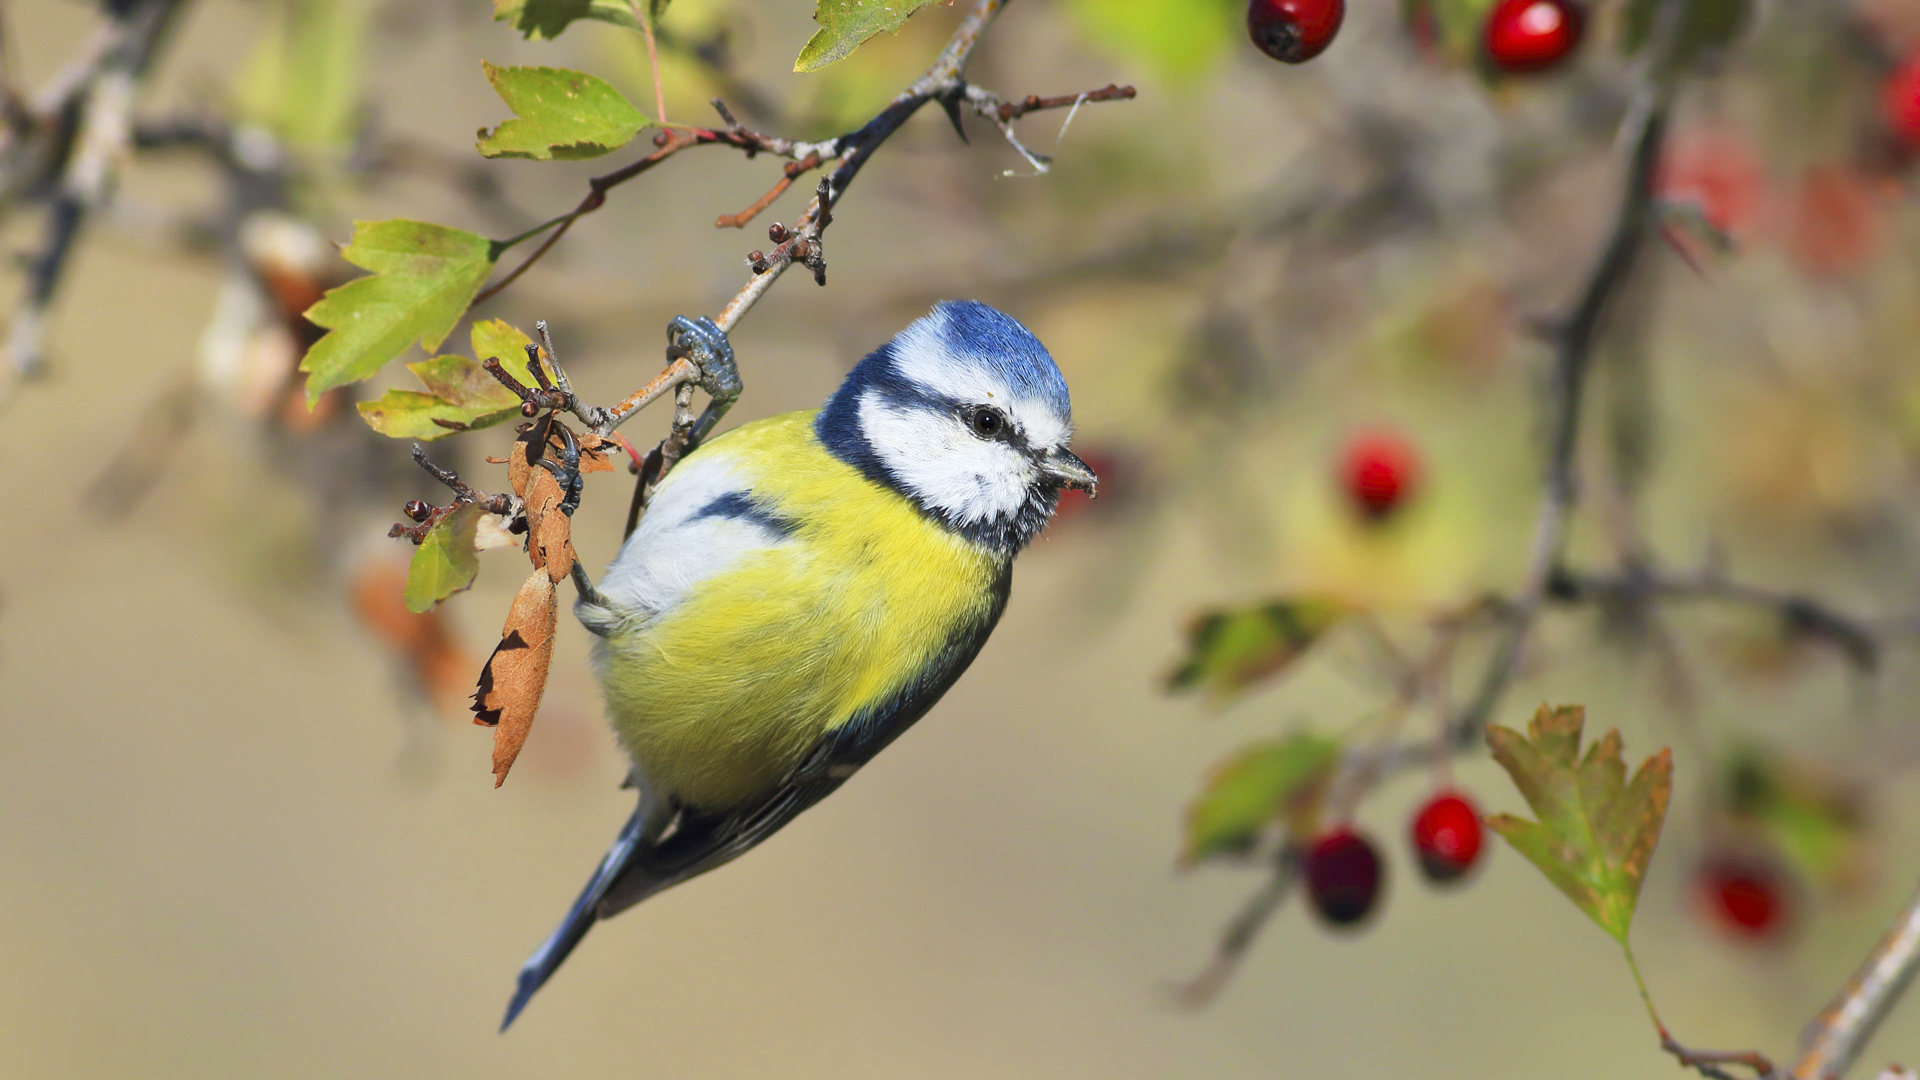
706	345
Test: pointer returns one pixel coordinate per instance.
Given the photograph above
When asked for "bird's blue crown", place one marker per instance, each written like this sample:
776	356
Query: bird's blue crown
961	354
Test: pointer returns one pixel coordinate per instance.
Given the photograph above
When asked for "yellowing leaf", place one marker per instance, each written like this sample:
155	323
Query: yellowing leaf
496	339
461	395
547	18
844	24
562	115
1258	785
1227	651
445	562
1597	829
423	278
516	674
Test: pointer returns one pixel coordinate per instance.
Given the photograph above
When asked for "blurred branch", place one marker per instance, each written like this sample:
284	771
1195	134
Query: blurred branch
1835	1038
1241	933
1859	639
1575	339
101	93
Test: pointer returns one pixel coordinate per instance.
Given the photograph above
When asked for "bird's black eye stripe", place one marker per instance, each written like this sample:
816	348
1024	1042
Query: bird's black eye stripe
985	421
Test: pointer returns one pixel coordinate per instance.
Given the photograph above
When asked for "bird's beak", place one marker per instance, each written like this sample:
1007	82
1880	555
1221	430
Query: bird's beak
1062	467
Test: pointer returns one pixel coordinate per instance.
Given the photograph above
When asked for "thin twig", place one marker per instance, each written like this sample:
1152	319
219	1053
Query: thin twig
1707	1062
1575	342
1241	933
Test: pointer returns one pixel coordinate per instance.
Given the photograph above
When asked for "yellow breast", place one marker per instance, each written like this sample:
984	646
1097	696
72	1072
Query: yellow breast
720	697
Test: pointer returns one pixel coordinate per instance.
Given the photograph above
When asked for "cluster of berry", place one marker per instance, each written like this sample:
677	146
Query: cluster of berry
1520	36
1343	868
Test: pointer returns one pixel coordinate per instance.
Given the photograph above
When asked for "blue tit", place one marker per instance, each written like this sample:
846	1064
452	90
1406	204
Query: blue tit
805	587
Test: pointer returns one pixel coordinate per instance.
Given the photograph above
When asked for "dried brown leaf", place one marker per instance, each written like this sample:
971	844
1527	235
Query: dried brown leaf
549	529
516	674
518	471
593	454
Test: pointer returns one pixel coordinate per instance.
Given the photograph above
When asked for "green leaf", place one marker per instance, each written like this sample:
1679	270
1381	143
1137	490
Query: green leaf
1258	785
1704	25
1227	651
496	339
844	24
460	392
1597	829
446	562
1812	816
1176	39
562	115
546	18
302	78
423	278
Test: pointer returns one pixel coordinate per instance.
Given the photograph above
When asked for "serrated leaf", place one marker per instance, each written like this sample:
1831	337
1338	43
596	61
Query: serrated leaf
1255	787
547	18
423	277
562	115
845	24
459	392
1704	25
446	562
1227	651
1597	829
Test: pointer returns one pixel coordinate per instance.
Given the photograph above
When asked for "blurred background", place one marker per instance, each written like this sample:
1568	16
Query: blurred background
248	830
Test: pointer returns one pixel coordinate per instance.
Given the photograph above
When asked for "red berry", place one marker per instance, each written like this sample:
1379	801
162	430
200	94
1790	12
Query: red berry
1746	895
1380	471
1343	876
1901	99
1294	31
1446	833
1525	36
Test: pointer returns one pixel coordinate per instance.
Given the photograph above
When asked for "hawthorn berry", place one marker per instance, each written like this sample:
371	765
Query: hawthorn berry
1380	471
1528	36
1446	834
1294	31
1745	895
1343	876
1900	97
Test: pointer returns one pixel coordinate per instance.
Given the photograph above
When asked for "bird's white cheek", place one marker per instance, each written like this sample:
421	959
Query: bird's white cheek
943	465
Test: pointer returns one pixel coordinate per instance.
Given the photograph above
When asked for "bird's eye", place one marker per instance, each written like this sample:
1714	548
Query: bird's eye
986	421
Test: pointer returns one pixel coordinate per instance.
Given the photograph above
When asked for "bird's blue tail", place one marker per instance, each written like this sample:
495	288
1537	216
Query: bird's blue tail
585	911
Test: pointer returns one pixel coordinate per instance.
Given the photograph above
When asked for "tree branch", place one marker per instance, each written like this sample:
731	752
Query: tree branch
1835	1038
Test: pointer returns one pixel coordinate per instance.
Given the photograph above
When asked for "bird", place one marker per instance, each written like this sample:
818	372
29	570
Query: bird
804	587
